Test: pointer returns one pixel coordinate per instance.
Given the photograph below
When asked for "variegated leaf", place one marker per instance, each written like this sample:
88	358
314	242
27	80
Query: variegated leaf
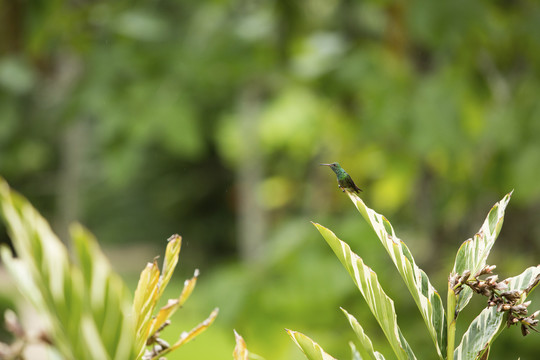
84	304
424	294
486	326
366	280
310	348
479	334
105	293
366	350
472	254
355	354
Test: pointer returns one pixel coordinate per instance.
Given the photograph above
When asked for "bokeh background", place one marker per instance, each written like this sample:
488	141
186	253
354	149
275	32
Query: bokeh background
209	118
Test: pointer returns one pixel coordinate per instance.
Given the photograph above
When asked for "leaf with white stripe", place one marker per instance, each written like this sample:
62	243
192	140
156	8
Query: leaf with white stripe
472	254
479	334
366	350
85	304
355	354
310	348
367	282
486	326
424	294
526	281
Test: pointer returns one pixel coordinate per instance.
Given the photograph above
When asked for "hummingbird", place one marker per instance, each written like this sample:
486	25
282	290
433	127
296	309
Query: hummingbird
345	182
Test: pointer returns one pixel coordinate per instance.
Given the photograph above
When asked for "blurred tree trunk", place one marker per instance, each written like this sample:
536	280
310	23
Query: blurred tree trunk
252	218
69	177
11	27
72	142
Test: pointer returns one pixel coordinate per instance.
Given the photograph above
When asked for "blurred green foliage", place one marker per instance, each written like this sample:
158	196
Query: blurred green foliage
143	119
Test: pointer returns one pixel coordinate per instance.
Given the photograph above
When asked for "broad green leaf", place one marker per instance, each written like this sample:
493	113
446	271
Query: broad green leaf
425	296
366	280
85	305
472	254
486	326
240	350
104	293
366	350
310	348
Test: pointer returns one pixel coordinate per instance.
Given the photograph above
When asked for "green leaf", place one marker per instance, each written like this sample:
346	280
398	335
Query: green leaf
85	305
311	349
472	254
366	280
366	350
486	326
105	294
424	294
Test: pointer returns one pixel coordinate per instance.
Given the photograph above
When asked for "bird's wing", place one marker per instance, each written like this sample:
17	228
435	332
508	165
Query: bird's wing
356	188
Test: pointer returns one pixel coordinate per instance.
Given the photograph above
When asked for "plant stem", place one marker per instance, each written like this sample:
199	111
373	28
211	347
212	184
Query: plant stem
451	322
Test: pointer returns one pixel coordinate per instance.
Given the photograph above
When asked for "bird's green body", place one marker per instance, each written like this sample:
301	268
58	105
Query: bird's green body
345	182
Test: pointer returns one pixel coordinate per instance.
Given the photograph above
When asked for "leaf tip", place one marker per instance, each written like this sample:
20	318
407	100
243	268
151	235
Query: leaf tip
174	237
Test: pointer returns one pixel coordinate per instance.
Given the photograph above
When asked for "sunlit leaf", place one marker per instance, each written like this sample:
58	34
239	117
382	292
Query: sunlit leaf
174	304
367	282
144	304
311	349
169	264
188	336
240	350
189	285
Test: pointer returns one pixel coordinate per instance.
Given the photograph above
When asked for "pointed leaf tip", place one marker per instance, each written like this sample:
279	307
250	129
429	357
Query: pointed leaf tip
240	350
311	349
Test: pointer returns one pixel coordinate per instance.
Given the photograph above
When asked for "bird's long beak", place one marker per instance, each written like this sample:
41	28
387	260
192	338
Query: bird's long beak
325	164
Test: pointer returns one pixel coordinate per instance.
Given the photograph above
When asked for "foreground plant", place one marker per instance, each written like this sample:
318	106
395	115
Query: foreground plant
506	303
86	307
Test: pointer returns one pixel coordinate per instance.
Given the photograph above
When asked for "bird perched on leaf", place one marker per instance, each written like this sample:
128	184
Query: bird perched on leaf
345	182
